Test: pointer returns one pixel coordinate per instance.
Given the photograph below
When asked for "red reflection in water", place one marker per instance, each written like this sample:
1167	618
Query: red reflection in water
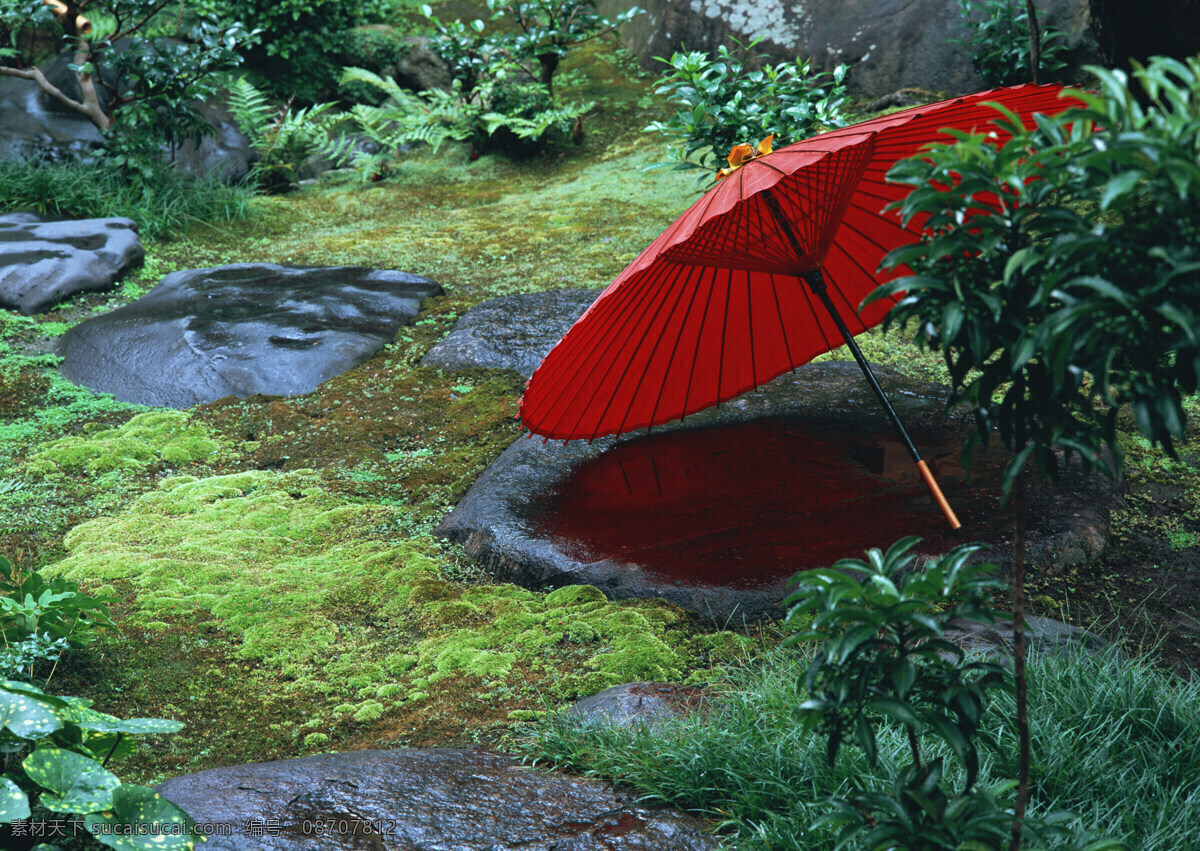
747	505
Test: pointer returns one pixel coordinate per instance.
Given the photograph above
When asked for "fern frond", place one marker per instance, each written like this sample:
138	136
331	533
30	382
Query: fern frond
250	107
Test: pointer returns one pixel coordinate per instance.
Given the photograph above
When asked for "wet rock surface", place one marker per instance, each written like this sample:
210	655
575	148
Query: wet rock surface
890	44
420	800
33	124
639	703
43	262
716	513
510	332
1042	635
239	330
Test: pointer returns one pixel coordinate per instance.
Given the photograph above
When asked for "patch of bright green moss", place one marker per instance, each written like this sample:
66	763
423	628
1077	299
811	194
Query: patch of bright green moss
321	590
153	437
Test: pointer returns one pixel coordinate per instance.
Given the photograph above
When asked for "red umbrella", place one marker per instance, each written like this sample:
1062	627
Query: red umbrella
727	297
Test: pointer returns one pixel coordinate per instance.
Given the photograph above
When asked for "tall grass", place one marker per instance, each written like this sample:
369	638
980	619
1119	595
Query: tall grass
1116	742
163	201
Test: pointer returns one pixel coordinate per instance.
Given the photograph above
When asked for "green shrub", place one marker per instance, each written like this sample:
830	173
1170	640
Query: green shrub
500	112
545	31
722	102
999	41
301	40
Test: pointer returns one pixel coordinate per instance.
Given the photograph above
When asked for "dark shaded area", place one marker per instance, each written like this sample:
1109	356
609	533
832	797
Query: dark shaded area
744	506
1133	29
205	334
421	800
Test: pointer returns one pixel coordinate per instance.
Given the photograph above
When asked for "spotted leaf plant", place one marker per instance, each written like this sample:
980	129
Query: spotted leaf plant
56	751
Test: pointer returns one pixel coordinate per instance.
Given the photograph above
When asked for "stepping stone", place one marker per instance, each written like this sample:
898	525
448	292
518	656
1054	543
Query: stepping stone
429	799
204	334
717	512
510	332
44	262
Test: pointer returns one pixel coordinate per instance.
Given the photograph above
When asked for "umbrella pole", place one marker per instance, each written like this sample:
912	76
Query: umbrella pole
816	283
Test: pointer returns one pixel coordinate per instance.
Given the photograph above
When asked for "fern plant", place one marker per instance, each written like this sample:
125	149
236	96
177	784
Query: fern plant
496	113
405	118
285	139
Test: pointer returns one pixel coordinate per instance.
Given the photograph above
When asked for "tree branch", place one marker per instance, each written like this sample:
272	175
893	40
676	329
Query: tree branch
89	107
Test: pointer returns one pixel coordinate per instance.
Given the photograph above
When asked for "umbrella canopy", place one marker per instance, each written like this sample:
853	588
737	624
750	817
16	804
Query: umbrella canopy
715	306
762	274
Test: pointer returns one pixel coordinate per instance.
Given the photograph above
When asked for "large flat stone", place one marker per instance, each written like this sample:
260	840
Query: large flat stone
421	800
510	332
716	513
239	330
43	262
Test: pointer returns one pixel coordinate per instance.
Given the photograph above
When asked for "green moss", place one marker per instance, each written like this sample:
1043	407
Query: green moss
317	588
315	740
155	436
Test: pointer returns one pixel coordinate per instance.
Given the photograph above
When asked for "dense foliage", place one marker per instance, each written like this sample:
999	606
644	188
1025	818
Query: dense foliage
722	102
998	41
882	656
301	39
1061	275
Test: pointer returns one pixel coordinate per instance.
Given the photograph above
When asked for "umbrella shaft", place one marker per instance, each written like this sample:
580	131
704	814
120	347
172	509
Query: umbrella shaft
817	284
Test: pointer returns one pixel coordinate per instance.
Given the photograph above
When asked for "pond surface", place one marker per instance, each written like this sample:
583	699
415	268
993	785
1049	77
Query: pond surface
746	505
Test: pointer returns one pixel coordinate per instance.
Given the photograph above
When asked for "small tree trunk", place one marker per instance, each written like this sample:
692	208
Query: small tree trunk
1018	589
549	63
1035	42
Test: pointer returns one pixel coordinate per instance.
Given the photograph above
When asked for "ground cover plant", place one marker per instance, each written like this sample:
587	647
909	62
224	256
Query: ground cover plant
1112	747
356	474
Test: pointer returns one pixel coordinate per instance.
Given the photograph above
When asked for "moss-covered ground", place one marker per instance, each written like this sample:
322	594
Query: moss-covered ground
279	588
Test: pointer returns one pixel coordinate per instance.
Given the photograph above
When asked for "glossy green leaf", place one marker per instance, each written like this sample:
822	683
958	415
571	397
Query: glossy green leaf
14	803
26	713
75	783
157	824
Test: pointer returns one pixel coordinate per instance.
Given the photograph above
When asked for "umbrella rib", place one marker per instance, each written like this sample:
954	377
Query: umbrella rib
680	289
750	331
629	363
724	331
787	348
674	351
587	352
817	316
581	339
687	393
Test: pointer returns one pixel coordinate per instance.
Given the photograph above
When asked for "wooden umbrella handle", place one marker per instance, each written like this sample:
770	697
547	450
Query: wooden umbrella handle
927	475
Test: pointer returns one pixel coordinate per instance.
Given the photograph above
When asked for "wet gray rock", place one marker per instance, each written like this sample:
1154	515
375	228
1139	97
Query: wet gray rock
43	262
239	330
510	332
639	704
1042	635
34	124
891	44
717	512
420	800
